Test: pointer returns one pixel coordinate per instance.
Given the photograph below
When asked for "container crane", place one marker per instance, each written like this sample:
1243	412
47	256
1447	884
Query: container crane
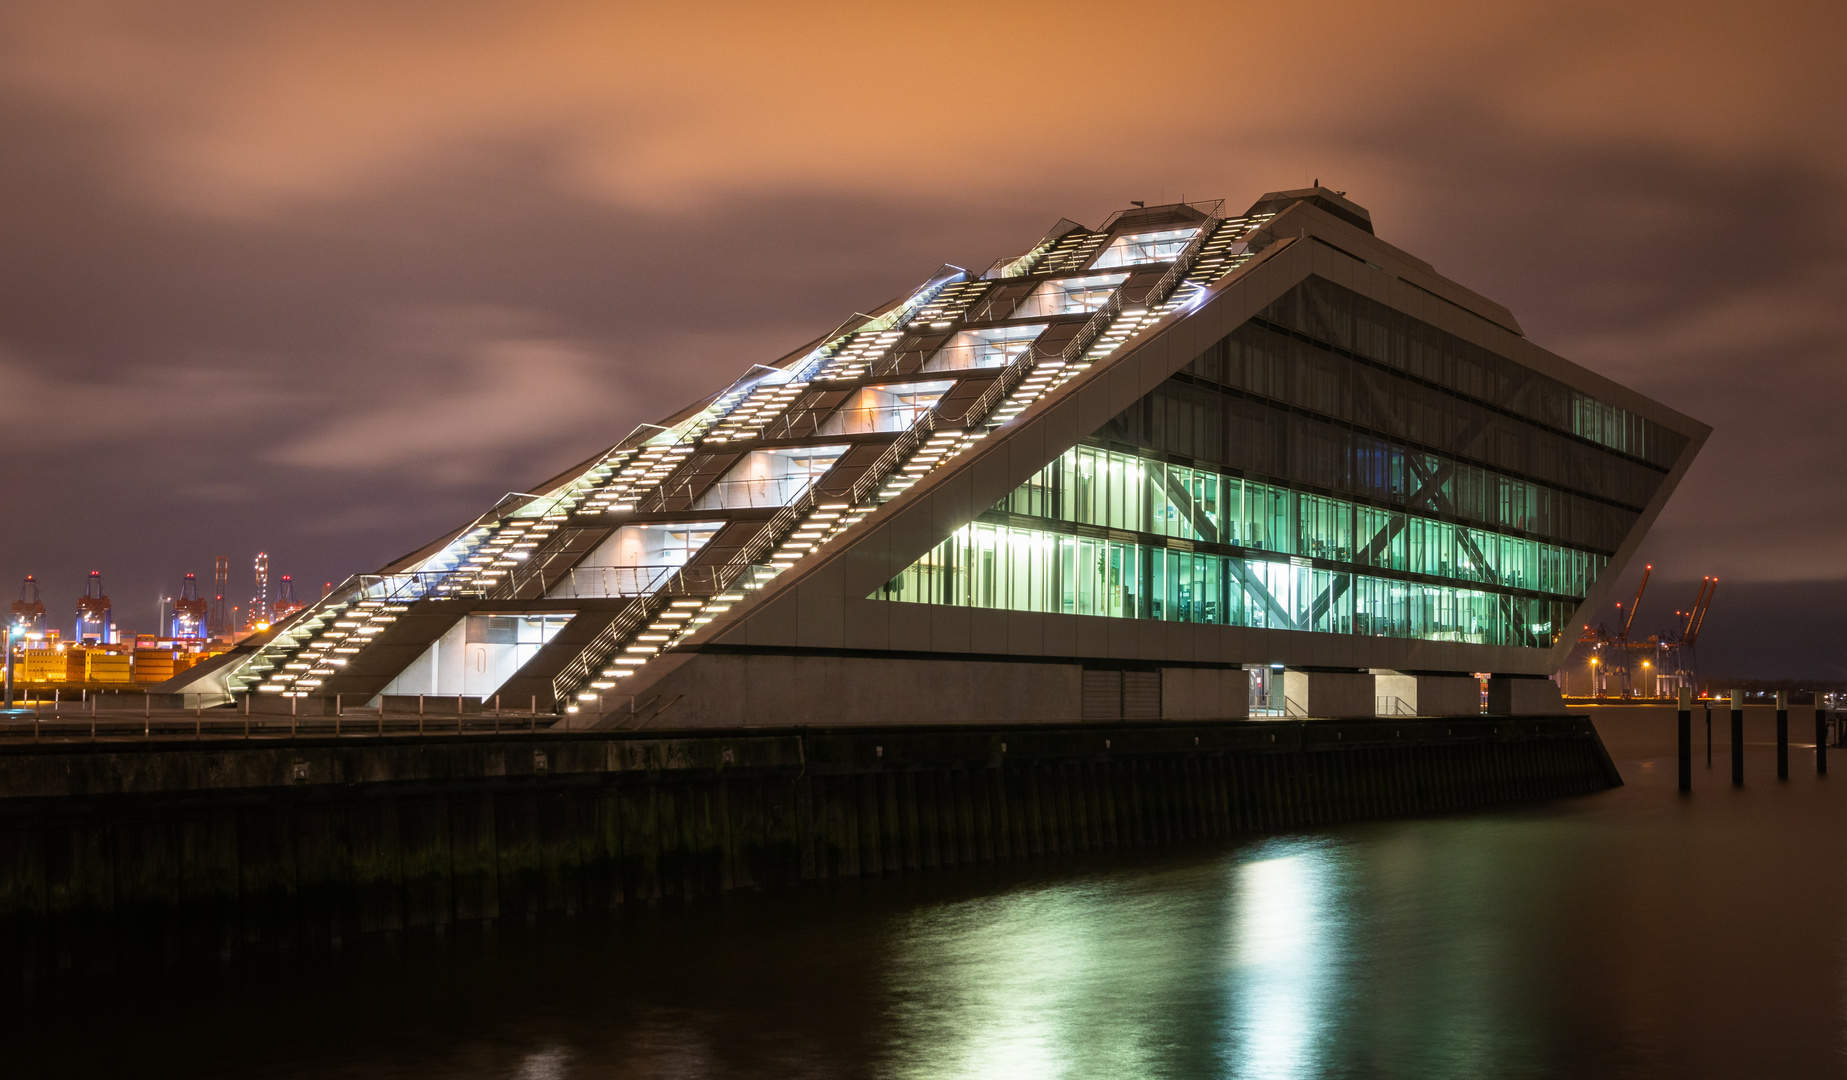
285	604
29	609
190	612
95	620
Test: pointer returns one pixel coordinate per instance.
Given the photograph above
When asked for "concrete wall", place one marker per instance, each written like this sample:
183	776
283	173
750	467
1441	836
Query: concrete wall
1448	695
1330	693
1514	696
756	690
1205	693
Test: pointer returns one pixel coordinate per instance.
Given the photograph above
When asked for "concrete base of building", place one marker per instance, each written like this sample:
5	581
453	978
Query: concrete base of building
1330	693
1450	695
306	842
1205	693
762	689
1523	695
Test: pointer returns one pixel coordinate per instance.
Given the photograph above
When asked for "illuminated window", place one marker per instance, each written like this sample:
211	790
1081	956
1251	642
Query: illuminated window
1069	295
991	347
1149	247
890	407
770	477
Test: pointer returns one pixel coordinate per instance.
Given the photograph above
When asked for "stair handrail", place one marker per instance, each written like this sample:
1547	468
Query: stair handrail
1013	374
603	645
1183	261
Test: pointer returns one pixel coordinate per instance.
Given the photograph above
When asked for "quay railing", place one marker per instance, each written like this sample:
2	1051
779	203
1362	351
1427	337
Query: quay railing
206	716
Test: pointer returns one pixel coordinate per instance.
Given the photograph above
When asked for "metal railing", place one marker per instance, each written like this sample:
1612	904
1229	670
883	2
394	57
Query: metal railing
1392	705
580	582
602	647
874	478
210	716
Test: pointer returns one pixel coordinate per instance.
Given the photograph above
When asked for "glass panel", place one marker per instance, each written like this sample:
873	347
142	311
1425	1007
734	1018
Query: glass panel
1149	247
770	477
892	407
1069	295
994	346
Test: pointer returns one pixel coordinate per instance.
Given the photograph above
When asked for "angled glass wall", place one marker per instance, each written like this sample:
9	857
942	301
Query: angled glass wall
1427	489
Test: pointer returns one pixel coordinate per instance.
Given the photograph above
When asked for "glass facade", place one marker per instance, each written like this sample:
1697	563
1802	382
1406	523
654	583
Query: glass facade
1035	569
1334	466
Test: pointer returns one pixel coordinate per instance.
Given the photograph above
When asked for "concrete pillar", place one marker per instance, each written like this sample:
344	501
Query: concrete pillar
1329	693
1395	694
1524	695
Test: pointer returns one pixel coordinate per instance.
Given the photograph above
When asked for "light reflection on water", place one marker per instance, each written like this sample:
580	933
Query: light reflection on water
1231	967
1633	933
1285	946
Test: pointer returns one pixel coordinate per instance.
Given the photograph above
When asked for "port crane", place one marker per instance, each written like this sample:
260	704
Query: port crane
1667	659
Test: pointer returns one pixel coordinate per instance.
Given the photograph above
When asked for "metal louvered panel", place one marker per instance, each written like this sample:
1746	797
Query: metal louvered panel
1141	695
1102	695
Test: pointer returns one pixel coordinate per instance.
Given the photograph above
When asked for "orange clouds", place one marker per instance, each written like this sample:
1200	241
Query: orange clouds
230	108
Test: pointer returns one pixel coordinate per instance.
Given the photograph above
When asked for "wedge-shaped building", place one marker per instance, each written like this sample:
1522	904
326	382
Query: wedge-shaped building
1181	465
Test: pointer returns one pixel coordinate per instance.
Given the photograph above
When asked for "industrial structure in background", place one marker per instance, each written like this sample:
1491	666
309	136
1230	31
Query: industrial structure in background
219	624
285	603
95	620
1614	664
96	659
29	610
190	613
99	656
258	617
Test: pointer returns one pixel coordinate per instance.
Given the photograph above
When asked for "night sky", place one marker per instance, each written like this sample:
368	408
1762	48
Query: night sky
326	279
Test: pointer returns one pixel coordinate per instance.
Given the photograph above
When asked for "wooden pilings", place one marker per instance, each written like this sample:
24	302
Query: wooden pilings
1782	734
532	827
1821	735
1737	738
1685	731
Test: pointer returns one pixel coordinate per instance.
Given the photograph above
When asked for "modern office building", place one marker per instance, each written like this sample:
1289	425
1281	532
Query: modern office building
1180	465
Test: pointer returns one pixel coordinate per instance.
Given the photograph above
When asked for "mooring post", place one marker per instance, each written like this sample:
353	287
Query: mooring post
1686	738
1737	738
1821	735
1782	734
